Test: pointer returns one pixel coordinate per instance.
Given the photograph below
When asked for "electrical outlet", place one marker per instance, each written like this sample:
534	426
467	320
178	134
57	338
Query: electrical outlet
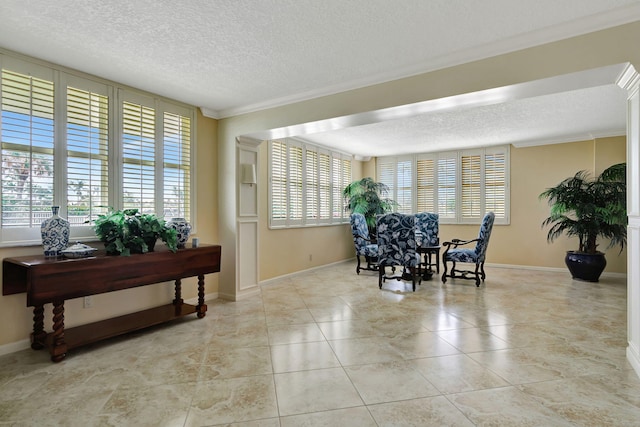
88	302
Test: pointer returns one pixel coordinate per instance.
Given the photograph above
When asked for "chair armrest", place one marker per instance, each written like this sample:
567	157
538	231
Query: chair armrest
457	242
364	238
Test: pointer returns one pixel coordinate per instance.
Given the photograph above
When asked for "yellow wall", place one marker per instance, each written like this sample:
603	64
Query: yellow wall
606	47
534	169
16	318
283	251
523	242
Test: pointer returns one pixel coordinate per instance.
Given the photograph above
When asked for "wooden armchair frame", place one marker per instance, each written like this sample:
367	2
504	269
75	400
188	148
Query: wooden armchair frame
461	274
475	256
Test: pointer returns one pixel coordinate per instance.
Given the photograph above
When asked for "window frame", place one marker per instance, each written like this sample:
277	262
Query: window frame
283	174
63	79
449	163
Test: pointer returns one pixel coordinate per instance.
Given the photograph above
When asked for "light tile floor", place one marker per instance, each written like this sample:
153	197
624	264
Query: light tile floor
328	348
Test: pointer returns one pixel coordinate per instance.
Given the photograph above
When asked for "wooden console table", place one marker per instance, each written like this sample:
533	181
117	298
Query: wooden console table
54	280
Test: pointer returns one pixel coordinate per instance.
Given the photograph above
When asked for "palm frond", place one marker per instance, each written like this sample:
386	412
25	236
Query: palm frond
588	208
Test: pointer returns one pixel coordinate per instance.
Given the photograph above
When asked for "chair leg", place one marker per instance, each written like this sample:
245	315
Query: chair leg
358	266
482	269
444	274
478	276
380	274
416	272
372	263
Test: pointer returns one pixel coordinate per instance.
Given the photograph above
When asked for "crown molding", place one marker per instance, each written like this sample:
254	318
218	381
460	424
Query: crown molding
576	28
571	138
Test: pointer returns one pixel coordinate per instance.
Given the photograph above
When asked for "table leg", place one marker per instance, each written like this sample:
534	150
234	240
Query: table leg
39	336
58	346
178	299
202	307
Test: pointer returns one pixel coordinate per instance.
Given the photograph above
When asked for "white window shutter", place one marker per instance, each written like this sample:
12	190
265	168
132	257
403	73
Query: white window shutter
176	129
27	136
471	186
87	154
447	186
426	181
138	156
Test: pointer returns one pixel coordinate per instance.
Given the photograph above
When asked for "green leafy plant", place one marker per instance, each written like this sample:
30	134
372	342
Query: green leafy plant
589	208
128	231
367	197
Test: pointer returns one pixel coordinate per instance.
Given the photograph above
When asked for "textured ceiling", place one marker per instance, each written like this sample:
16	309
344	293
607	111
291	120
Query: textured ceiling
561	117
234	56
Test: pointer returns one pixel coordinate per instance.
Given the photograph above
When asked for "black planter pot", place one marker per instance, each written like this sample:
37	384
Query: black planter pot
586	267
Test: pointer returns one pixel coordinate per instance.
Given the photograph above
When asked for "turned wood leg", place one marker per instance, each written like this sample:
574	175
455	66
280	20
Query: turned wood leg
444	274
202	307
38	336
178	299
58	347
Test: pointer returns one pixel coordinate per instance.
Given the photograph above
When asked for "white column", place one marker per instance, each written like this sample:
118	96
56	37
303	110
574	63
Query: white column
238	218
631	82
247	261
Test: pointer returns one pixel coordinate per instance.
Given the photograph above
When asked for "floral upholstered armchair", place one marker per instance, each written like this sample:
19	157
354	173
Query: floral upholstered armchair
427	225
397	247
427	229
475	256
364	246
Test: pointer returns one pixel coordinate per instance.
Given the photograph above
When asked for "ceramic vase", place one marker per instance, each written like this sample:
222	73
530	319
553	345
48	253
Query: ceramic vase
55	234
182	227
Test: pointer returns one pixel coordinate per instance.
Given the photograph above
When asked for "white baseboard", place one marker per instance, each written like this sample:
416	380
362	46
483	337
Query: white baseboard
551	269
242	295
12	347
207	297
301	272
634	358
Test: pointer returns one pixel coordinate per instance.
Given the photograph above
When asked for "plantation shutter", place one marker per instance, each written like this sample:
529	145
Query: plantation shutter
311	192
404	186
278	182
495	184
337	185
138	154
324	183
87	153
177	166
386	171
425	188
471	183
27	136
447	186
294	182
346	180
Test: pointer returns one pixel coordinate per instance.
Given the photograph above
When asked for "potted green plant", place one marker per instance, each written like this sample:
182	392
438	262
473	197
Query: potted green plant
367	197
128	231
589	208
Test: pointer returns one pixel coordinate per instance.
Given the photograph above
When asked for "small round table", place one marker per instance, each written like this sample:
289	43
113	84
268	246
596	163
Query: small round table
428	252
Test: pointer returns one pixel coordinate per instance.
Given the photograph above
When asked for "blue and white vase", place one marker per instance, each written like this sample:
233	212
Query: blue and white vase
55	234
182	227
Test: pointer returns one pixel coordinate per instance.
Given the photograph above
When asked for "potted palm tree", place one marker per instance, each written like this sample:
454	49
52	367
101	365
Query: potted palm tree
367	197
589	208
